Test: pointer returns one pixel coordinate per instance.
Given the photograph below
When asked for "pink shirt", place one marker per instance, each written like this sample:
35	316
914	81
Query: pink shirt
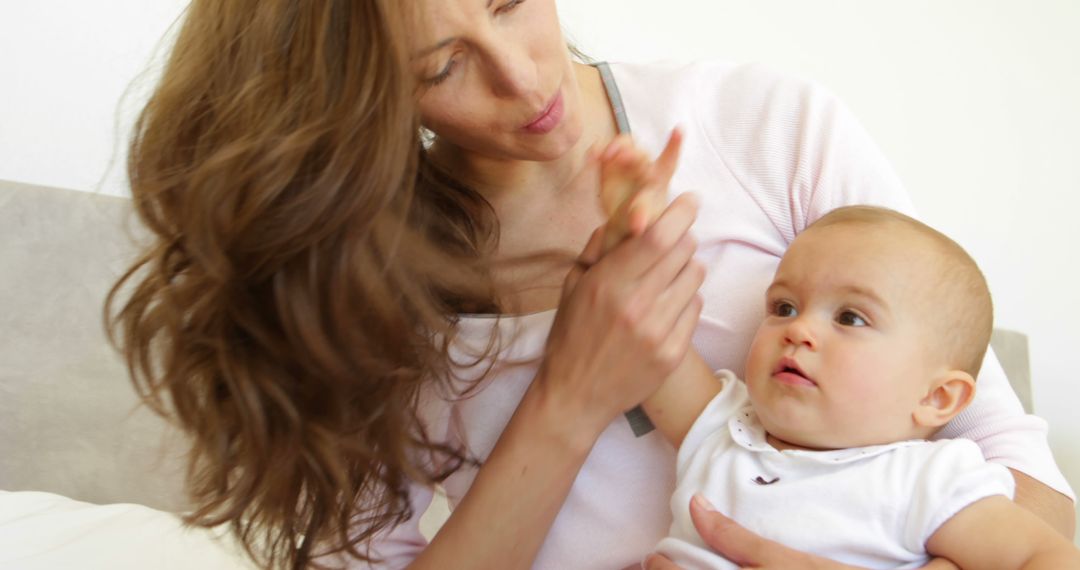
767	155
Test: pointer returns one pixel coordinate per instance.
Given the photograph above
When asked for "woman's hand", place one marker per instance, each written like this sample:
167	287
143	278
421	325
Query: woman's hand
748	550
741	546
624	320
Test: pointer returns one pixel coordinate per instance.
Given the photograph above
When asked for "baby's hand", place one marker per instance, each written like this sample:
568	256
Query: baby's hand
633	188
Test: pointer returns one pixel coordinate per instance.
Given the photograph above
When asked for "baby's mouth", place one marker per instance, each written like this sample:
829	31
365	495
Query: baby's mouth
788	371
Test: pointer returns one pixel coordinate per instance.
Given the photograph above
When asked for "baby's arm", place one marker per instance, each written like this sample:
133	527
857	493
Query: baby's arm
997	533
632	192
675	406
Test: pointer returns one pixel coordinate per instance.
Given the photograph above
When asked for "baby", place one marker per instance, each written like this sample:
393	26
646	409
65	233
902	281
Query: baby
875	331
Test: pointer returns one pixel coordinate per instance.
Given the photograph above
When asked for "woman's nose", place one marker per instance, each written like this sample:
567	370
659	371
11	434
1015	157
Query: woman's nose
513	72
800	332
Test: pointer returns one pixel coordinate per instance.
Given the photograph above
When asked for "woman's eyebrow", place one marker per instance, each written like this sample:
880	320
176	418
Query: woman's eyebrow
429	50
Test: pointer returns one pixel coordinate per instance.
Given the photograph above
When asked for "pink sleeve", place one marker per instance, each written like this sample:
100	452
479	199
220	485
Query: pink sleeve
996	421
795	149
399	546
799	152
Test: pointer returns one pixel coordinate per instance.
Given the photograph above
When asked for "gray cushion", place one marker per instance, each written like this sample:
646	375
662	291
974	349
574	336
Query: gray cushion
70	420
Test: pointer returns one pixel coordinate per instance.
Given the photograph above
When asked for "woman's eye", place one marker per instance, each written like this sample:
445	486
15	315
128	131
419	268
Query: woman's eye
442	75
784	309
850	319
509	6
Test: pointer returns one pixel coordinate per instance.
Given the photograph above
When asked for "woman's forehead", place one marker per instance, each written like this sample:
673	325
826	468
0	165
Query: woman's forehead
436	21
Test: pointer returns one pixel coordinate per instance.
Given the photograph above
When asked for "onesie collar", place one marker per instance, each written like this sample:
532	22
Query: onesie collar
748	433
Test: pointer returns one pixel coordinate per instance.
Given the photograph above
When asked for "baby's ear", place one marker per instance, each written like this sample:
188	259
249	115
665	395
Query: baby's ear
948	395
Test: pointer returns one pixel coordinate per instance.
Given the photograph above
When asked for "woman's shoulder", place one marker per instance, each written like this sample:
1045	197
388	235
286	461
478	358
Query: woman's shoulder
788	141
732	103
734	82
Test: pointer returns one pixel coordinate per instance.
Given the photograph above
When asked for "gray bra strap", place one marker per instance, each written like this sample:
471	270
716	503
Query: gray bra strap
614	97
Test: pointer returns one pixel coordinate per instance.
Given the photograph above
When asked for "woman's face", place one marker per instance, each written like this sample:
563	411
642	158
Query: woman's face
496	78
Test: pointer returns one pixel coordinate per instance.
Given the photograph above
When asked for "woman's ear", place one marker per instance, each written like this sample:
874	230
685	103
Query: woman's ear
948	395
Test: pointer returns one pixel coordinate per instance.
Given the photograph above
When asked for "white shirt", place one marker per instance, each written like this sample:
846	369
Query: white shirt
872	507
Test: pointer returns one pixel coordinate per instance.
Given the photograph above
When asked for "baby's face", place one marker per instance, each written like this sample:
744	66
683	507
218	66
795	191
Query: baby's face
842	358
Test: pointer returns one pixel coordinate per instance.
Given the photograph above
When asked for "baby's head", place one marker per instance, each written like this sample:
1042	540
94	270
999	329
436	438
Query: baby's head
877	325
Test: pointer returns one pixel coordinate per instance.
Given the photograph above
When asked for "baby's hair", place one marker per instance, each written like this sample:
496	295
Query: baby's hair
964	316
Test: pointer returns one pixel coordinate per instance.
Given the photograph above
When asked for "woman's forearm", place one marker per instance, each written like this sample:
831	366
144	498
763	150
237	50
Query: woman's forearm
506	514
612	344
1049	505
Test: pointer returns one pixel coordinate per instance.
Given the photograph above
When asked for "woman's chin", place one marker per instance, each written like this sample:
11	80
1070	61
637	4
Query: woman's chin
557	144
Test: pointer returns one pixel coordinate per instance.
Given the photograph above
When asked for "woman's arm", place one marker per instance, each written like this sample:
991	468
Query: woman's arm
996	421
1055	509
623	325
997	533
503	519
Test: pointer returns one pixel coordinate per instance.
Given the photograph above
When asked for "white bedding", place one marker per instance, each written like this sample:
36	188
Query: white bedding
45	531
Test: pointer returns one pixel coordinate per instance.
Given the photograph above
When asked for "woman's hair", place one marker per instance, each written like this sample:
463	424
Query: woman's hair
305	265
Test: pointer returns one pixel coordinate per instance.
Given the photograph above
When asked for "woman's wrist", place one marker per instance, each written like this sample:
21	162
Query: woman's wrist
568	420
519	489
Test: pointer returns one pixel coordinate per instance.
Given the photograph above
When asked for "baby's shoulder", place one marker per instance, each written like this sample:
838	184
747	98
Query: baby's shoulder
922	460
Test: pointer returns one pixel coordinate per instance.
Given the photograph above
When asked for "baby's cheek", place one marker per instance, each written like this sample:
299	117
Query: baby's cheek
874	400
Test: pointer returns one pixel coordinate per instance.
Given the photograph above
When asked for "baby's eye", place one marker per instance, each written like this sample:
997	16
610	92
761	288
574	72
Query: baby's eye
850	319
784	309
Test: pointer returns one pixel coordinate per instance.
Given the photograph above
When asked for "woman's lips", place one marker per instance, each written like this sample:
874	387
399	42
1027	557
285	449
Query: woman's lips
548	119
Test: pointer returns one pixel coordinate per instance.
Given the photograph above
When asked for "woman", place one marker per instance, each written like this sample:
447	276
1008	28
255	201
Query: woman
318	310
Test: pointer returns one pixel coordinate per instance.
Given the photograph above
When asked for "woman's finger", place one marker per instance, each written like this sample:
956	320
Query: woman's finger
593	248
724	535
743	547
589	256
671	284
632	258
682	332
657	562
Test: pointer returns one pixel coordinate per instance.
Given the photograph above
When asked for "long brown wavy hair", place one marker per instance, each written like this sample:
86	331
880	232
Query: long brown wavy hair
306	260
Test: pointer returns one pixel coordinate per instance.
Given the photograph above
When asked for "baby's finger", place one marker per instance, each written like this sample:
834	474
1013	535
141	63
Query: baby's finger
637	219
669	158
645	208
618	143
592	155
634	257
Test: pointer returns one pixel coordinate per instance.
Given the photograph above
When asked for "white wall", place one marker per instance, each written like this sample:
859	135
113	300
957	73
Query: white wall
977	102
64	65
